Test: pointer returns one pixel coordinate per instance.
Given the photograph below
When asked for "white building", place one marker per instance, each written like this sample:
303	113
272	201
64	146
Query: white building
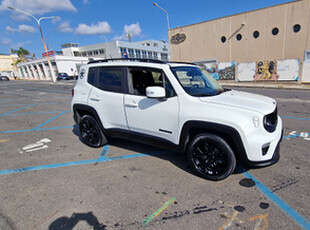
38	69
150	49
73	56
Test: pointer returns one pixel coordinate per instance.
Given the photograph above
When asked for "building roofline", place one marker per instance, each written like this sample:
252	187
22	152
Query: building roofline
292	2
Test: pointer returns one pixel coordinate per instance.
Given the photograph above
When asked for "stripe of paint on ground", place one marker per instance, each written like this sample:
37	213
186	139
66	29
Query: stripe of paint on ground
155	214
4	140
301	221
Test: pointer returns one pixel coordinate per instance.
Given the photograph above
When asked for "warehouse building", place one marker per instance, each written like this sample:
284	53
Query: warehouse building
269	44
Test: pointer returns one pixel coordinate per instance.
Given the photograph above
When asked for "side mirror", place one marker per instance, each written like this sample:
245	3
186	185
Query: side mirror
155	92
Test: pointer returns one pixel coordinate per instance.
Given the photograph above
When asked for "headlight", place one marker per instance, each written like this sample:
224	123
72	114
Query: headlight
271	121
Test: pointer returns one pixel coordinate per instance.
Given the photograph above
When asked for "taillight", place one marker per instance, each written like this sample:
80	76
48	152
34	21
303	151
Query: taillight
72	92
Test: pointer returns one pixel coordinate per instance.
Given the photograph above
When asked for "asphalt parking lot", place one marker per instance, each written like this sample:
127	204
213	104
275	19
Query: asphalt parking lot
50	180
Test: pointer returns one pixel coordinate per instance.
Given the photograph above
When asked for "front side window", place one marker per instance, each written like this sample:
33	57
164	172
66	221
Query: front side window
141	78
110	79
197	82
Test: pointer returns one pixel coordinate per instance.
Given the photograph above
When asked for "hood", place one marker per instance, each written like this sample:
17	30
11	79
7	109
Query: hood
243	100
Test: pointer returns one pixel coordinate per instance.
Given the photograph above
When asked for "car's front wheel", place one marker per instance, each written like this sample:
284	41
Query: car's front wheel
91	132
211	157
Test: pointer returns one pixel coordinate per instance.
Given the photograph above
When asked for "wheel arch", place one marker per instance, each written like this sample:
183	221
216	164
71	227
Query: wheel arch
79	110
193	128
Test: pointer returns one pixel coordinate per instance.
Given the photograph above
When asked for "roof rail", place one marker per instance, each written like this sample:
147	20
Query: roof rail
127	59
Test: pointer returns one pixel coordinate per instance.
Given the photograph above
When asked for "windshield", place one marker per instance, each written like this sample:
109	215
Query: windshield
197	82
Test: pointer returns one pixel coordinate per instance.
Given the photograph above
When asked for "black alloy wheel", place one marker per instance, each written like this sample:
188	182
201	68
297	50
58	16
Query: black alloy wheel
211	157
90	131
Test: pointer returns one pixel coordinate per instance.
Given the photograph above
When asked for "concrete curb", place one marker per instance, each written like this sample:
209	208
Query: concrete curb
269	85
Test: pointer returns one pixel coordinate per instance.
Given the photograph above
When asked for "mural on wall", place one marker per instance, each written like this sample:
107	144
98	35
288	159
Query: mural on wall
246	71
269	70
266	71
288	69
306	71
227	70
220	71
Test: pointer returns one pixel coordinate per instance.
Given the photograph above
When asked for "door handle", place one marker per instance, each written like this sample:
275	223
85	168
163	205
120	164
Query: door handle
95	99
133	104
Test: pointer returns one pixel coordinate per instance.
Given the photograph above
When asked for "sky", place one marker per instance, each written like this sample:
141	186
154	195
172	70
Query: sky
88	22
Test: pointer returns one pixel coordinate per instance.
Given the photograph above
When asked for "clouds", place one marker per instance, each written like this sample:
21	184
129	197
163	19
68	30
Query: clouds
6	41
65	27
37	7
21	28
93	29
134	29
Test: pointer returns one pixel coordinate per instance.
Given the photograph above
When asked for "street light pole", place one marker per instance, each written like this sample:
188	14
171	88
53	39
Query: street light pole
155	4
44	45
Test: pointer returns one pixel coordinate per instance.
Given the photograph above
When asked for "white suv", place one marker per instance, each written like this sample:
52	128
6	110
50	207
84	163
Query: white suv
177	106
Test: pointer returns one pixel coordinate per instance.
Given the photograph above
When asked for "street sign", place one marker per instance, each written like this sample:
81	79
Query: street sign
50	53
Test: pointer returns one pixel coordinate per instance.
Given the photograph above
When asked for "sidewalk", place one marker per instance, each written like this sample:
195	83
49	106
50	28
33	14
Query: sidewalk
267	85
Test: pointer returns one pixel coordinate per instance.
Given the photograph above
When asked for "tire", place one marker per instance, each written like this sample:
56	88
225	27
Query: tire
211	157
91	133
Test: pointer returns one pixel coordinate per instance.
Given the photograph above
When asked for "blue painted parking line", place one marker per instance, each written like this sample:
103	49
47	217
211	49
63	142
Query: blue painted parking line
44	103
33	113
293	136
41	129
15	110
301	221
49	120
297	118
102	158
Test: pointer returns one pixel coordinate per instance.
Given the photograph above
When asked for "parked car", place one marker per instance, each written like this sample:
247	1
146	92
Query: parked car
4	78
177	106
63	76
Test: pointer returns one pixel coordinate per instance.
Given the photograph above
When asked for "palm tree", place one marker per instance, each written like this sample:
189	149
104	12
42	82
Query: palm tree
21	53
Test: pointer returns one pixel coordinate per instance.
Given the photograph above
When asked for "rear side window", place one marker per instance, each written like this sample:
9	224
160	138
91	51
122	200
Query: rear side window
92	76
106	78
110	79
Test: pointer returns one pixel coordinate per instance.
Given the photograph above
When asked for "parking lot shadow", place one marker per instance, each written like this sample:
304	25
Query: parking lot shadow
68	223
178	159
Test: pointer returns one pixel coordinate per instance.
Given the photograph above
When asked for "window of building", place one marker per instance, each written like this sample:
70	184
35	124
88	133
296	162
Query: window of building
138	53
256	34
96	52
296	28
238	37
123	52
223	39
155	44
144	54
90	53
155	55
164	56
150	54
131	53
84	54
110	79
101	51
275	31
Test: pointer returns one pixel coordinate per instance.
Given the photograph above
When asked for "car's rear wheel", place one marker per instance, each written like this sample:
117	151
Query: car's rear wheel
90	132
211	157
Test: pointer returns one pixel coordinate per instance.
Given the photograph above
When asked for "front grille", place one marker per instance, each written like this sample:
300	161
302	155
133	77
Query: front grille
271	121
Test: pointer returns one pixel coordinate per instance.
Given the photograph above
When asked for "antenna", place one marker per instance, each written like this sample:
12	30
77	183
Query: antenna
129	35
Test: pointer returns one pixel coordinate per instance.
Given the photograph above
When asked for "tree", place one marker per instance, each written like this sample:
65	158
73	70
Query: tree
21	53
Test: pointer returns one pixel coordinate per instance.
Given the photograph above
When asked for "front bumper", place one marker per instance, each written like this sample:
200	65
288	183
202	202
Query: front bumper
275	158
